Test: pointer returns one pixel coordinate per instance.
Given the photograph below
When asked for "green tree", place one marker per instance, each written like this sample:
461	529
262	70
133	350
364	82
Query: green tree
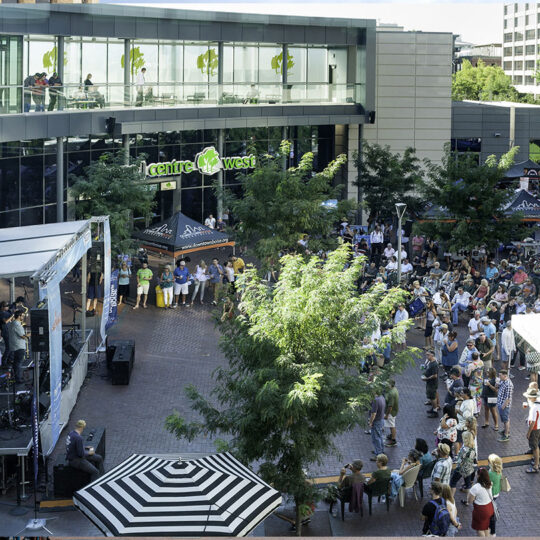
294	380
109	187
136	60
279	205
386	178
482	83
470	200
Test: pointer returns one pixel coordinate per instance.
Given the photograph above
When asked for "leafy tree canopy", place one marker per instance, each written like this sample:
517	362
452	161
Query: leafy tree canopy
482	83
386	178
469	196
279	205
294	380
109	187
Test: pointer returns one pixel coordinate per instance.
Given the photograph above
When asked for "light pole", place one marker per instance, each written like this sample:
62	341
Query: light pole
400	210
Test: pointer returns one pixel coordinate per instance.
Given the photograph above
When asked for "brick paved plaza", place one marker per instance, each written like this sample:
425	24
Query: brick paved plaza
175	348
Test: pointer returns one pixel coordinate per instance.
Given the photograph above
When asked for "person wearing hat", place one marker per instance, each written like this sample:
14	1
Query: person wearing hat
492	272
80	457
443	467
533	421
181	282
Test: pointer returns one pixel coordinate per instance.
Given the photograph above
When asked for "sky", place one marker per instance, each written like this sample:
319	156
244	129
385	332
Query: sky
480	22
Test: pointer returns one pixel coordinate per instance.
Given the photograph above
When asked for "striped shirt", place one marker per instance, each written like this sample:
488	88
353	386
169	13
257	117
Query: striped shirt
506	389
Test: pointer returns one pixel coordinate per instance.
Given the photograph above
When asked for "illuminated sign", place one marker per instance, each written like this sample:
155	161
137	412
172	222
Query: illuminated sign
165	186
207	162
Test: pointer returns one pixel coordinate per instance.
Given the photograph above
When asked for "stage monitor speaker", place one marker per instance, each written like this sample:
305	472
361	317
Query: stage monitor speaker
66	360
110	125
68	480
111	348
72	348
371	117
44	403
95	254
122	363
39	326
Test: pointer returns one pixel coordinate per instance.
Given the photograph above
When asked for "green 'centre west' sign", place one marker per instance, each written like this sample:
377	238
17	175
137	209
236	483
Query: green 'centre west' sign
207	162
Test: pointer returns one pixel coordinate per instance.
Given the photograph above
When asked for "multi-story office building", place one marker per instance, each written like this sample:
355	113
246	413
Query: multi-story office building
521	42
238	82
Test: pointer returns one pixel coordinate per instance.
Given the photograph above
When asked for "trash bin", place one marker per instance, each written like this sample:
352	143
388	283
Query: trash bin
159	297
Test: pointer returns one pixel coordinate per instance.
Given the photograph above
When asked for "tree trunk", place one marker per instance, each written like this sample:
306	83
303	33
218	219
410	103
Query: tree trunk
298	520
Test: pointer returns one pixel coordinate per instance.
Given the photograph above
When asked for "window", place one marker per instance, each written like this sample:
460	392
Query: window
534	150
505	24
508	37
529	34
297	73
518	51
507	66
529	64
317	65
245	64
515	21
506	10
508	51
267	60
529	79
526	20
529	49
518	64
473	144
518	79
518	36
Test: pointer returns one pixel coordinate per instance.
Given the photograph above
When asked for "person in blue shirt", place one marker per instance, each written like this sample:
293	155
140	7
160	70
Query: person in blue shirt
181	282
216	272
80	457
489	328
491	271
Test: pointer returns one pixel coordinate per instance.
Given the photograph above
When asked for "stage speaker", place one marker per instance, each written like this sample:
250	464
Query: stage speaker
66	360
44	403
371	117
39	326
110	125
95	437
122	363
68	480
72	347
95	255
111	348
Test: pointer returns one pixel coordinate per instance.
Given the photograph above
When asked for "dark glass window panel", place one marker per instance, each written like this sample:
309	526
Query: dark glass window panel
32	147
50	213
148	139
74	164
150	153
9	184
164	206
303	146
133	151
257	134
193	136
9	149
237	148
275	132
273	146
76	144
192	203
9	219
49	173
189	151
32	216
257	147
234	177
168	153
193	179
170	137
209	202
236	134
49	146
31	181
303	132
210	136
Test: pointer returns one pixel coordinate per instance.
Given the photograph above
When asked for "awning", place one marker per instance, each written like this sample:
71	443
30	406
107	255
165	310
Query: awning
527	327
525	203
518	170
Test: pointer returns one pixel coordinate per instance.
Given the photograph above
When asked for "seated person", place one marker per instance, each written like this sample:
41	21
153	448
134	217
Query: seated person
97	96
252	95
348	480
379	479
80	457
425	455
412	460
406	267
79	94
436	272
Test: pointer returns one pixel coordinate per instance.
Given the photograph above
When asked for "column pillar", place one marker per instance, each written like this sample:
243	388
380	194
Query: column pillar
219	93
127	72
220	142
84	277
284	137
285	90
125	146
59	179
60	69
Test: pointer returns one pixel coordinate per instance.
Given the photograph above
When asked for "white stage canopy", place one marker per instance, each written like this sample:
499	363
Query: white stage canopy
528	327
25	250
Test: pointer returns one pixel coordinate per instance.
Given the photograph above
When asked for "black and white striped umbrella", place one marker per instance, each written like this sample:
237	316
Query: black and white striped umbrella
150	496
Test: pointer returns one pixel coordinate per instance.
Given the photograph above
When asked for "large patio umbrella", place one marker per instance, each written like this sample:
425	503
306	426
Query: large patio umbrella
150	496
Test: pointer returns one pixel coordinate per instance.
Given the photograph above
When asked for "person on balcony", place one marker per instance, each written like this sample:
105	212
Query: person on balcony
140	87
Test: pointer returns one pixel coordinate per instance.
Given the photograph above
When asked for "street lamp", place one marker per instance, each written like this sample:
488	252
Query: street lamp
400	211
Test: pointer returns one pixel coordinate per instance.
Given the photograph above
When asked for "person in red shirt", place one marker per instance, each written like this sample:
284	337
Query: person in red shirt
38	93
533	433
520	276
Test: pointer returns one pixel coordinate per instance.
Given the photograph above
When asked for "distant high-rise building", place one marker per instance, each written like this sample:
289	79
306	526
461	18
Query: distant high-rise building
521	43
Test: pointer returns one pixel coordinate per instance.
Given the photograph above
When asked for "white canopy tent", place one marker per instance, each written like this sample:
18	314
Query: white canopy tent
47	253
528	327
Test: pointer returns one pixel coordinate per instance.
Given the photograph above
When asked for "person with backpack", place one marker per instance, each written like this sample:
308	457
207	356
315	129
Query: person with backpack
435	513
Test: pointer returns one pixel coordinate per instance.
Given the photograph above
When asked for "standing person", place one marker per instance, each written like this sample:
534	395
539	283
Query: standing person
431	314
504	403
475	325
39	92
401	315
532	360
95	290
465	465
216	277
220	224
533	421
489	396
200	278
229	275
508	345
144	276
17	344
443	467
448	496
432	509
79	457
376	424
376	240
6	316
166	281
181	282
55	85
139	83
481	497
485	347
447	429
124	275
392	408
495	475
238	264
88	83
210	222
465	408
431	377
28	89
454	385
449	351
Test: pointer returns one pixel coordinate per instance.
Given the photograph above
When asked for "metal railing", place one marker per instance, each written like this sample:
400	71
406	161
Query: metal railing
18	99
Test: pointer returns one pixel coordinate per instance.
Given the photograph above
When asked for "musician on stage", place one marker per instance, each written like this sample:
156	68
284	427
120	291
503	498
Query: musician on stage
80	457
17	344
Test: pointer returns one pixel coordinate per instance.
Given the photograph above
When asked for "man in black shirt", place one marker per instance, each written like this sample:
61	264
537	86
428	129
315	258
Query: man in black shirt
80	457
431	377
55	84
428	512
6	316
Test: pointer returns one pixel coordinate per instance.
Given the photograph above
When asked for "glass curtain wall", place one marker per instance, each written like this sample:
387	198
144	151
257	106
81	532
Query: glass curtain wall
11	63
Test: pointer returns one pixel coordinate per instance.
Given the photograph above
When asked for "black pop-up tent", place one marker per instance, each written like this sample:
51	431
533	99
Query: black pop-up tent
518	170
526	204
179	235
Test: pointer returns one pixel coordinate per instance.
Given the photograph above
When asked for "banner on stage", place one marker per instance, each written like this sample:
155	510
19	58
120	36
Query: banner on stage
113	304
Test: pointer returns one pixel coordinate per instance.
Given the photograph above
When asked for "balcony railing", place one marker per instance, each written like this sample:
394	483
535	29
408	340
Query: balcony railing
18	99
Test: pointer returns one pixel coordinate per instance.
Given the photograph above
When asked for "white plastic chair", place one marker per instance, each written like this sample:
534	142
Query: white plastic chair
409	480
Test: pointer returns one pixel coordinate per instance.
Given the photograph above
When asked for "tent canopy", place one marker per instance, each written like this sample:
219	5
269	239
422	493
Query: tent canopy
180	234
527	327
518	170
24	250
525	203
